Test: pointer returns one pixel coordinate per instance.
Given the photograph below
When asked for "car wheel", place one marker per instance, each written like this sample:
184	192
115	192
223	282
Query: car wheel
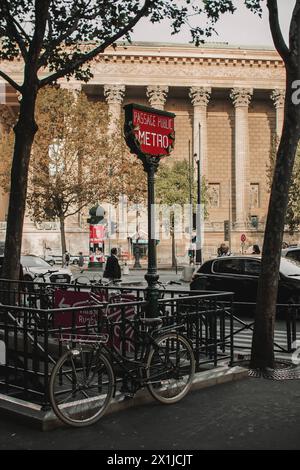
75	261
52	262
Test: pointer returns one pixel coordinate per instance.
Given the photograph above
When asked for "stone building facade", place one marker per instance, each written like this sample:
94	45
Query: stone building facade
233	96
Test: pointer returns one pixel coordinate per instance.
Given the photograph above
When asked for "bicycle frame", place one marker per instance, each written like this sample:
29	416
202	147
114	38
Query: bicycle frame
134	369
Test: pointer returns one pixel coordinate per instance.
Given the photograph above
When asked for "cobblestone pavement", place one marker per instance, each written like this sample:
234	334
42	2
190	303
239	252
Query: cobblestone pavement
247	414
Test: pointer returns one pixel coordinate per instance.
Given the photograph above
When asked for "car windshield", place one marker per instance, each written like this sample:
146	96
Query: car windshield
289	267
34	262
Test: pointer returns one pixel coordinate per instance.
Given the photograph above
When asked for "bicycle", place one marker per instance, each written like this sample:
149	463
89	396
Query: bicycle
164	286
40	296
83	381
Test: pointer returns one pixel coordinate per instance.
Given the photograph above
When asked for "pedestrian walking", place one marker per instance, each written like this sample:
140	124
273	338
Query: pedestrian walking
112	269
66	258
223	250
81	261
256	250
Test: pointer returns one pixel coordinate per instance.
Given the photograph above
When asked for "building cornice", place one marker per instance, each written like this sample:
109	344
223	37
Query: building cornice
185	54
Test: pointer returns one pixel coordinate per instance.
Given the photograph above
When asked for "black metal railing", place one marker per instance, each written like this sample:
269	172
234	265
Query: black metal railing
31	335
287	313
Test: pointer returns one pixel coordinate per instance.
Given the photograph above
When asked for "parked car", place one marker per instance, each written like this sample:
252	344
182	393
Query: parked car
53	259
34	266
74	259
239	274
293	252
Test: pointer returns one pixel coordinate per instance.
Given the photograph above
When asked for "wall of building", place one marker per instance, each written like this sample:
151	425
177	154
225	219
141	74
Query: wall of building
197	85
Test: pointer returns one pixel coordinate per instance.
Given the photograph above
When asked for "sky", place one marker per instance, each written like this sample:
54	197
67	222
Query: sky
243	27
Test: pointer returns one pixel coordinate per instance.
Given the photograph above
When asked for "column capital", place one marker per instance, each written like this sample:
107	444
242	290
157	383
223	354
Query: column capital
241	96
114	94
157	95
200	95
278	97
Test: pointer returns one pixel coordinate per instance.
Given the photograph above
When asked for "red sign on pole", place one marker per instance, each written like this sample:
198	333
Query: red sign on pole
243	238
149	131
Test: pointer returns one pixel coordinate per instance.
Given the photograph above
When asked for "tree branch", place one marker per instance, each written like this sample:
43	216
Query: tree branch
14	32
22	30
11	81
55	43
294	40
278	39
76	64
41	16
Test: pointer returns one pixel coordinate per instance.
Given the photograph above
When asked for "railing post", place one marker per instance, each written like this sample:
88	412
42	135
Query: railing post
231	334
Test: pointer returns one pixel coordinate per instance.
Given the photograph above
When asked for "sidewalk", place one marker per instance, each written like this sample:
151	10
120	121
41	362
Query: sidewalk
246	414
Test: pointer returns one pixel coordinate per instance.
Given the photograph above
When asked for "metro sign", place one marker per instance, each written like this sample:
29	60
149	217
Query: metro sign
149	131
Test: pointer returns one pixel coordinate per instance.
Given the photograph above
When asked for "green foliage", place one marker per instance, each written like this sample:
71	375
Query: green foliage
174	183
67	153
293	209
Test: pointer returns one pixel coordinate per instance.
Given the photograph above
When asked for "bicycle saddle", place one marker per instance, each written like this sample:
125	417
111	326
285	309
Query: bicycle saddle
151	321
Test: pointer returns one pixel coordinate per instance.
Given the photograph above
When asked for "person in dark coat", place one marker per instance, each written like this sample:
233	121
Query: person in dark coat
112	269
256	250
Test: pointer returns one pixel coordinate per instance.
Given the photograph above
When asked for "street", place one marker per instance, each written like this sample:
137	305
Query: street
135	275
247	414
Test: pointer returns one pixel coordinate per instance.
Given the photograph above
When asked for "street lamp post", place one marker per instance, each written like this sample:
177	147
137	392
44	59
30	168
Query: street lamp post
149	133
152	294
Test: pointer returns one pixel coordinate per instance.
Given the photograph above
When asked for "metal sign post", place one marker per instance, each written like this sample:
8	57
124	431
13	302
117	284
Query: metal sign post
243	239
149	133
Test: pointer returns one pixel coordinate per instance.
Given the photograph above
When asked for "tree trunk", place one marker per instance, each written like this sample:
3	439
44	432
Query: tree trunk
25	130
62	236
262	344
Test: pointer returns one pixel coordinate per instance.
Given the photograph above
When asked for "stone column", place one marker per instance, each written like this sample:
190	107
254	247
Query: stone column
278	97
157	95
241	98
114	95
200	97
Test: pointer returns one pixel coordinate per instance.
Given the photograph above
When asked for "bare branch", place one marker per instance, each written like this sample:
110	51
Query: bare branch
84	58
22	30
277	36
11	81
78	209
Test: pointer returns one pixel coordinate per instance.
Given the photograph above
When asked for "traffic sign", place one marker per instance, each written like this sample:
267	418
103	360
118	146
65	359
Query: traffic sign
243	238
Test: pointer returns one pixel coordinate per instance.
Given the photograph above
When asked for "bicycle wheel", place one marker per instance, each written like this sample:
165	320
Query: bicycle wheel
81	386
170	368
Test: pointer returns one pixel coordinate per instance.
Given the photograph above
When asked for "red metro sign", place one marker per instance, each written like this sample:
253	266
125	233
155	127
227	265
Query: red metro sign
149	131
